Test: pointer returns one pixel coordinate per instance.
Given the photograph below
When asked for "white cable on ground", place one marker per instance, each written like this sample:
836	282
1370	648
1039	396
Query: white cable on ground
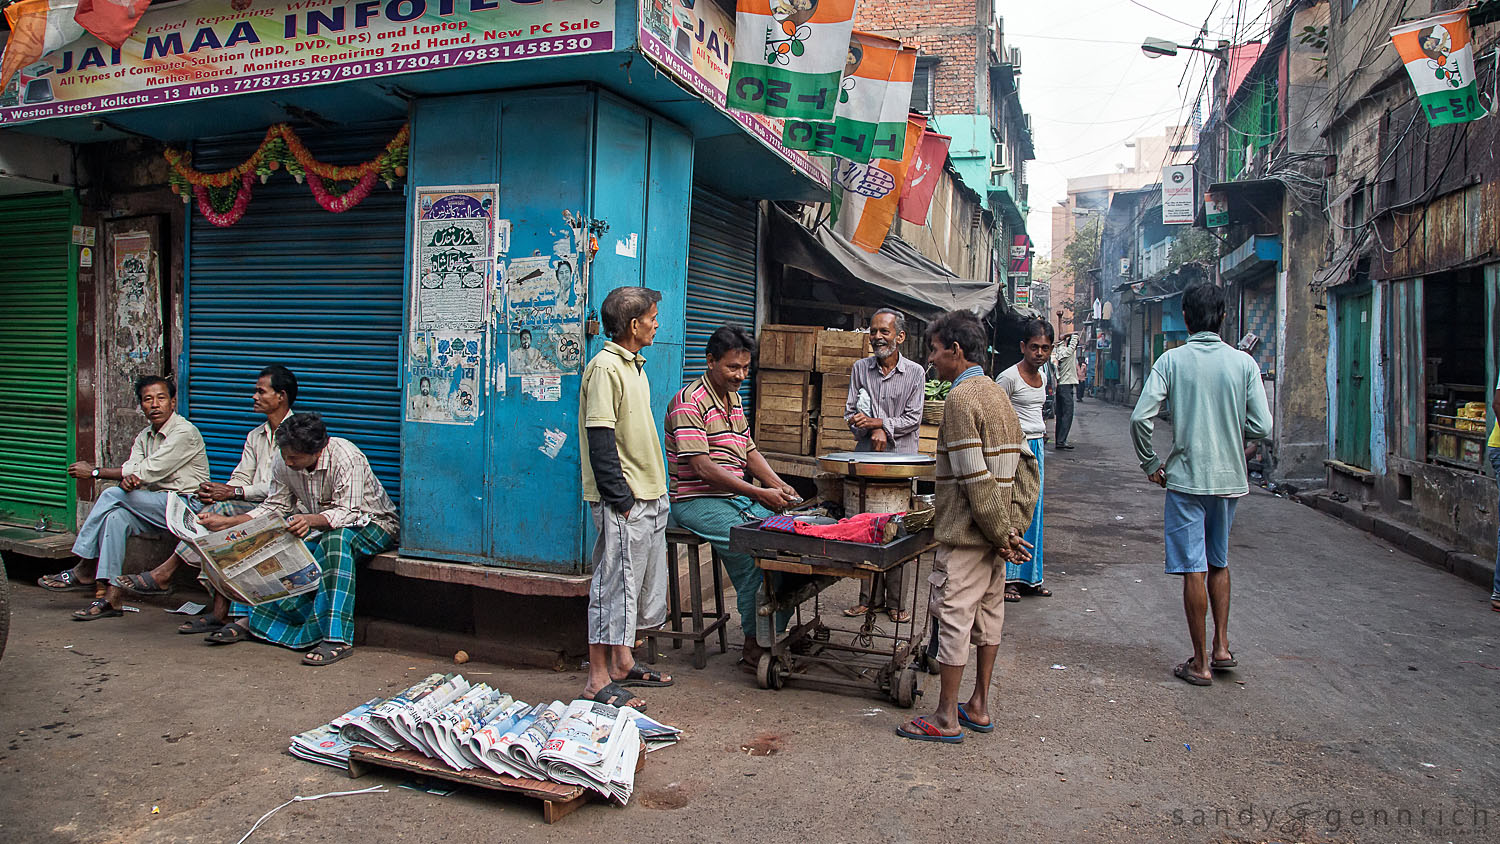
374	789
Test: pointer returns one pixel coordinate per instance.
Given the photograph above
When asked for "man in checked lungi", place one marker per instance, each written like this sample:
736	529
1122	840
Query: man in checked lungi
325	490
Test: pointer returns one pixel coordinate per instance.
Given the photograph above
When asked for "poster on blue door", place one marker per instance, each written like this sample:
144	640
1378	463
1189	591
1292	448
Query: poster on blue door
452	266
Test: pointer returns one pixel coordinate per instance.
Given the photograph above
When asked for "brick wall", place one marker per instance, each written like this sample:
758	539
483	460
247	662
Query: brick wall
948	29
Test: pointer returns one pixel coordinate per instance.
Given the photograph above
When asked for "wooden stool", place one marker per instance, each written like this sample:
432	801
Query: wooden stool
679	537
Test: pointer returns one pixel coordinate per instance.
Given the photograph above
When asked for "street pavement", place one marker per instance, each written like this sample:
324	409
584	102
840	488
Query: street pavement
1359	712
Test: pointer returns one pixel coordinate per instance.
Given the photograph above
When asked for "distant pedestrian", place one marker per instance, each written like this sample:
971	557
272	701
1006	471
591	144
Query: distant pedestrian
1026	385
1065	358
1083	377
987	485
625	484
1217	403
1494	445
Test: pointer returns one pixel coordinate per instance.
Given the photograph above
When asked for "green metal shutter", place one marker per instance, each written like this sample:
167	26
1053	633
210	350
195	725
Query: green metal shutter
721	274
37	312
315	291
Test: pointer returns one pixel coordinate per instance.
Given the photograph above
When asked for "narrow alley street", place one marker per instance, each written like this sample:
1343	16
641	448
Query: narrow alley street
1366	683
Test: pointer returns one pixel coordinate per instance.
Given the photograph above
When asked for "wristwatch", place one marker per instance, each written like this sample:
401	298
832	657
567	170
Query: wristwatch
94	473
239	492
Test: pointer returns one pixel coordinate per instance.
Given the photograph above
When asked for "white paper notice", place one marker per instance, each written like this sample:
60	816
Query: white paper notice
552	442
626	247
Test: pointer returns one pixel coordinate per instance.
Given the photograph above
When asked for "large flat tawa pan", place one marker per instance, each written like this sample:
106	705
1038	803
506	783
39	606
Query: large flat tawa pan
877	465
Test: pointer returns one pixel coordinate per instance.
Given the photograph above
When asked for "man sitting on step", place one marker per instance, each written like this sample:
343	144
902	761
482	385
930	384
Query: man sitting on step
166	458
249	483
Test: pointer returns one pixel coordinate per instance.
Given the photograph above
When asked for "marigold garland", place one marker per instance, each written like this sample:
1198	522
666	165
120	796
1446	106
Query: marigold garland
282	148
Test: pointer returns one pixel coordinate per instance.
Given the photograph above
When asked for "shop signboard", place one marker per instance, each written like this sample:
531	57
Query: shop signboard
694	43
204	48
1215	210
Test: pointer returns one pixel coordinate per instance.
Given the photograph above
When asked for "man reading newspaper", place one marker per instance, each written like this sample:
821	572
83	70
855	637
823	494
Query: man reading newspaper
346	516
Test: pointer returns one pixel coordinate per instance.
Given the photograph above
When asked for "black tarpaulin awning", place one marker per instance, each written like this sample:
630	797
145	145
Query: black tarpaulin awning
922	286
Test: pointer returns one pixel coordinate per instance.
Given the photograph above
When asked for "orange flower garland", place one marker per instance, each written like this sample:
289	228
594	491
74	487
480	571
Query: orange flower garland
282	148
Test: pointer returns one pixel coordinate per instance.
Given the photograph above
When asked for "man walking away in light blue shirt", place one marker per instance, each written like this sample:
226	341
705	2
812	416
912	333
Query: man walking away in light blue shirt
1217	403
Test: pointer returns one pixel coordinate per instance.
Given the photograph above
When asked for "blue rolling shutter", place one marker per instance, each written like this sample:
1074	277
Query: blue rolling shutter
315	291
721	274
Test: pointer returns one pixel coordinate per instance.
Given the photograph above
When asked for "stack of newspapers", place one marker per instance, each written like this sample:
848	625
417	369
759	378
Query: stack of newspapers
470	726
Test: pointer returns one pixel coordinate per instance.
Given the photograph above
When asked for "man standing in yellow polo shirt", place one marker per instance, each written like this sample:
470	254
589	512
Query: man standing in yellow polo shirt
1494	444
625	483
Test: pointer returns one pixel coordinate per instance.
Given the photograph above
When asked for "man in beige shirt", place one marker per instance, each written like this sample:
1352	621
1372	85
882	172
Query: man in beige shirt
167	457
325	490
249	483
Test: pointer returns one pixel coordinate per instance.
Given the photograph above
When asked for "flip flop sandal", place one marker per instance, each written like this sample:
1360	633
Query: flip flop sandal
201	624
1012	597
142	585
899	616
639	676
1184	673
613	695
1039	591
229	634
63	581
97	609
963	718
927	732
856	611
1221	664
327	654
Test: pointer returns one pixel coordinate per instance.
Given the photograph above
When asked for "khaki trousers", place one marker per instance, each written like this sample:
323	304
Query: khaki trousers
968	600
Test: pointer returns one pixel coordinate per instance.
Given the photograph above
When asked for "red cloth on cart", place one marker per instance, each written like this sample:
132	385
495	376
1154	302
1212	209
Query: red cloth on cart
866	528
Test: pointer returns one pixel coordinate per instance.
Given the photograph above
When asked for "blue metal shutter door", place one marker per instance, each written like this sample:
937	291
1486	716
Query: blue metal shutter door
36	371
293	284
721	274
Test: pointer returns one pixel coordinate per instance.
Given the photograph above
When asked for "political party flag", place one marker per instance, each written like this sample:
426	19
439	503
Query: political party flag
110	21
869	120
865	195
789	56
1439	57
37	27
922	177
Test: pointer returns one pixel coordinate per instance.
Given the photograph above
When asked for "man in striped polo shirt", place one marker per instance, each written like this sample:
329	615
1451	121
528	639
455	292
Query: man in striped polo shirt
708	452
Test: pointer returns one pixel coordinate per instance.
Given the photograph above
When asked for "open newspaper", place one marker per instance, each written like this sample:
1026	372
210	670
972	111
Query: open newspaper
254	562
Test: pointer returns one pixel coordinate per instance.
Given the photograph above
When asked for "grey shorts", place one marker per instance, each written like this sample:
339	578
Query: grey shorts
629	589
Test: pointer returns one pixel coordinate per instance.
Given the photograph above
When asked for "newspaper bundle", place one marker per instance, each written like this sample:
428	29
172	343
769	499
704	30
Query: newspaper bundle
253	562
468	726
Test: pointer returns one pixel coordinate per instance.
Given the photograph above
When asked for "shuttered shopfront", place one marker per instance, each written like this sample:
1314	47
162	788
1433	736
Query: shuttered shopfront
721	274
38	290
291	283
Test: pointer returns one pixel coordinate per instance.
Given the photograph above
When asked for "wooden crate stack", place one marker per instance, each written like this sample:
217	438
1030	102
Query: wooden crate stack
927	439
833	434
784	390
801	387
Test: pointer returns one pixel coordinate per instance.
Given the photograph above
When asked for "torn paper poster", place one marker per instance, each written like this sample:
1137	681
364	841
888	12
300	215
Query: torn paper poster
542	387
626	247
552	442
544	315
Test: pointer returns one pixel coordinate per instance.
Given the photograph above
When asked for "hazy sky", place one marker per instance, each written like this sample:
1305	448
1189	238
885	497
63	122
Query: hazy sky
1089	89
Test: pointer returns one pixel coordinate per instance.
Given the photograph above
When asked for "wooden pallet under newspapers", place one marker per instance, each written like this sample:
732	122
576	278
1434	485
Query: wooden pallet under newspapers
558	800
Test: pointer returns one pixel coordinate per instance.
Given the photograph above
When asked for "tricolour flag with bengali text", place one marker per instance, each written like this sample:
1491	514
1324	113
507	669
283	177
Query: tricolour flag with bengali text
789	56
874	95
865	195
37	27
1439	57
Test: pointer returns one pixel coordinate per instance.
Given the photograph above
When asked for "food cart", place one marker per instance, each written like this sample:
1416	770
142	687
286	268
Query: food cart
869	659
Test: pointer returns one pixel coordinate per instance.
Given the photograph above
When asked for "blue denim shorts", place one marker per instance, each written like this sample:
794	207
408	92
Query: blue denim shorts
1197	531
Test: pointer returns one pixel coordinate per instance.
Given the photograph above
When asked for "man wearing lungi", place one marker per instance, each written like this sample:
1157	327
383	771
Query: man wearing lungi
248	485
166	458
324	488
987	486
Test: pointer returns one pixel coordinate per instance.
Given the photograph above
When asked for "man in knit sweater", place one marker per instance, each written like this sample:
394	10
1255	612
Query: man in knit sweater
987	487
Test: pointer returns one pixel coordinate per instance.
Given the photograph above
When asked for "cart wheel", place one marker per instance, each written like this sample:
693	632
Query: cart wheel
904	689
768	672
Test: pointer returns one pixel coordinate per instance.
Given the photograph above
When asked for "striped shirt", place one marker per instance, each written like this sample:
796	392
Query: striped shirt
340	487
253	473
700	422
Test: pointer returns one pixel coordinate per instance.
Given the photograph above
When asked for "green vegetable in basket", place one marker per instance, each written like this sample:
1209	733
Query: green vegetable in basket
938	390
